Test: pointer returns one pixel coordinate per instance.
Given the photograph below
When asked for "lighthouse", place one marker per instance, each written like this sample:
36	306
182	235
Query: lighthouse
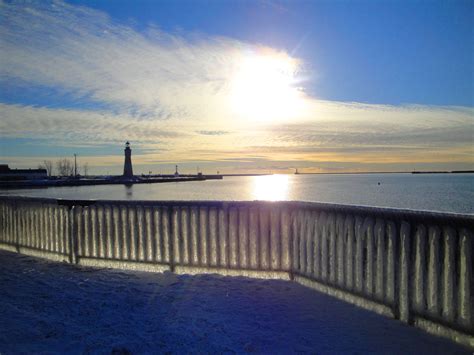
127	166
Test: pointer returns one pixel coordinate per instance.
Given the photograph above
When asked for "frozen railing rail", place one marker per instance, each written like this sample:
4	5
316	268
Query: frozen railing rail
414	266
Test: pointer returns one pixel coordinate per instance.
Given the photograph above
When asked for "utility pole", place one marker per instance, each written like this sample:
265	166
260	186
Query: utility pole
75	165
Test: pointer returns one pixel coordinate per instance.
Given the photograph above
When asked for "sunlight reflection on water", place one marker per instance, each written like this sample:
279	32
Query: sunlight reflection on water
271	187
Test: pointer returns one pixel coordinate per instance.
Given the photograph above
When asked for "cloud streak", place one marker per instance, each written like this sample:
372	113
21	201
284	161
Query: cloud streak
212	133
84	54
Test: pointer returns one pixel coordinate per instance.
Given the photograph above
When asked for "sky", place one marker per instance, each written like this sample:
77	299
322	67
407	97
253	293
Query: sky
238	86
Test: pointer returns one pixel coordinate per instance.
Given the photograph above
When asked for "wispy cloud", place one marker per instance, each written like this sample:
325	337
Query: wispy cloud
212	133
341	125
83	53
79	127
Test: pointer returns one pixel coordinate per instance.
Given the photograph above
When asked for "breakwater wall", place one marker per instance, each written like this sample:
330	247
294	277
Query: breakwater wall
413	266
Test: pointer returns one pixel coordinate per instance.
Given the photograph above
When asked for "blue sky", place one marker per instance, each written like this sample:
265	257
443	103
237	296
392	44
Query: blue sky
366	85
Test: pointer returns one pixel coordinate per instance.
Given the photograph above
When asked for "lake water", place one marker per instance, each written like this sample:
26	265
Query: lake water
434	192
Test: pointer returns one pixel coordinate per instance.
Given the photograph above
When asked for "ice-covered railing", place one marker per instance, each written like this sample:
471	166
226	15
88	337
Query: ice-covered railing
414	266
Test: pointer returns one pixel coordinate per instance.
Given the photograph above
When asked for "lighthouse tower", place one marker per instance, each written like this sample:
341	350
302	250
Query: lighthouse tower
127	166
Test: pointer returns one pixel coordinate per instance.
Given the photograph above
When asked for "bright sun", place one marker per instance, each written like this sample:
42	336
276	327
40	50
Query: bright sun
264	89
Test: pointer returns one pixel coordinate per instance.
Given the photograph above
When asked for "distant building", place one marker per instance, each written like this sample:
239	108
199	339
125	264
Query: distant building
21	174
127	166
176	174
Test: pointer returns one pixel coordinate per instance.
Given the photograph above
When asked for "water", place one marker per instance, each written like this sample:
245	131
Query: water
433	192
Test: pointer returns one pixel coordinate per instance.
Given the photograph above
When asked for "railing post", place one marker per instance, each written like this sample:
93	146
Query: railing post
72	235
16	223
466	286
404	278
449	278
170	238
291	274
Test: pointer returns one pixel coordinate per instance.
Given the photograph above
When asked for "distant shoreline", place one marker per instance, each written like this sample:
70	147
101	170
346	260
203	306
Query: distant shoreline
362	173
246	174
391	172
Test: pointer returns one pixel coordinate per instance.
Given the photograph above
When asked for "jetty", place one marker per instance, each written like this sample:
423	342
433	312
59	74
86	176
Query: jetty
103	180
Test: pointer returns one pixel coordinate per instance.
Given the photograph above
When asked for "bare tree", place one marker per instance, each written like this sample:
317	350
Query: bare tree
85	168
65	167
48	165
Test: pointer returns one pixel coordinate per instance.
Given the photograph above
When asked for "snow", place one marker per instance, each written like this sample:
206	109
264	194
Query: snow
57	307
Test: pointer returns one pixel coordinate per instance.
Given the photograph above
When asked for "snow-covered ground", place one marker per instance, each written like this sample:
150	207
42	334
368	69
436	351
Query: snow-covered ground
53	307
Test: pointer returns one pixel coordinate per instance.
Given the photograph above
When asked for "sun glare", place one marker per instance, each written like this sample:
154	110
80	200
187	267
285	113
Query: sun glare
271	187
264	89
